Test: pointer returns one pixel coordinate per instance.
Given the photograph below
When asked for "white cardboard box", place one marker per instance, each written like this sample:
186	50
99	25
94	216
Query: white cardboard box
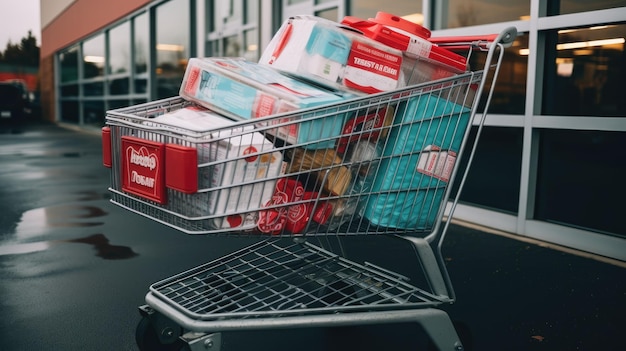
230	183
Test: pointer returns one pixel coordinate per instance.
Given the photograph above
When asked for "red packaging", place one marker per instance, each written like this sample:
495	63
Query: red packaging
408	37
292	218
300	215
275	220
400	23
372	68
357	128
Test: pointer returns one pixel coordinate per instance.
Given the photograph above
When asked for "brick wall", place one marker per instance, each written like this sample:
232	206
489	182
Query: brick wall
46	79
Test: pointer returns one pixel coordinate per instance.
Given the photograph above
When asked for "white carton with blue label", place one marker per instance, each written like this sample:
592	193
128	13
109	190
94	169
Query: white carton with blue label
334	55
244	90
237	169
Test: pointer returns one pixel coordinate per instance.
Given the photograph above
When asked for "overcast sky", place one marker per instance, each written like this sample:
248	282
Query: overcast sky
17	17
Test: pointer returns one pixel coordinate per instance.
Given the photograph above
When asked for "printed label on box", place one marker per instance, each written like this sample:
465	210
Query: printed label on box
372	70
418	48
436	163
192	81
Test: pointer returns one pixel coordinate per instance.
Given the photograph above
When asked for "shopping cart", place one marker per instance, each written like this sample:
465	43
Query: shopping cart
389	170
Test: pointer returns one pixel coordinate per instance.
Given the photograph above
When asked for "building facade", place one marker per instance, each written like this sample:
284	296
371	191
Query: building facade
550	164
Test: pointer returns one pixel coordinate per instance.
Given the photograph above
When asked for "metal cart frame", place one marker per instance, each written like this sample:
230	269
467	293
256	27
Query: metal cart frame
289	282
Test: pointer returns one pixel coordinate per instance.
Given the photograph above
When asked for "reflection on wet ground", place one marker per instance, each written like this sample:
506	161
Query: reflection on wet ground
92	195
99	242
36	223
18	249
104	249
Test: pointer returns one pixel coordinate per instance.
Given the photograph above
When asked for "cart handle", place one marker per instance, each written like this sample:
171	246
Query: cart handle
506	38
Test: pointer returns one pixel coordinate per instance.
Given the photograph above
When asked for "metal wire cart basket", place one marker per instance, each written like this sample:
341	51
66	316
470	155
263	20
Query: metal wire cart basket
388	169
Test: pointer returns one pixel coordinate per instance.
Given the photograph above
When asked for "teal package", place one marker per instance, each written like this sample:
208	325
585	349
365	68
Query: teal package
319	133
329	43
401	196
227	94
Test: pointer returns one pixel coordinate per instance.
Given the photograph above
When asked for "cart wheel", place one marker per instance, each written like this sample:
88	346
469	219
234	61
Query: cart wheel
147	339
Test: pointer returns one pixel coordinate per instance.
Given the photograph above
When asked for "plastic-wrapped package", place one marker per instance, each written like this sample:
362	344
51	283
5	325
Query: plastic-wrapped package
242	89
333	55
237	166
416	163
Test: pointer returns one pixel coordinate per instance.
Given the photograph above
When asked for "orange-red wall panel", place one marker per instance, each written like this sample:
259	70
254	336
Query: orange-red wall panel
82	18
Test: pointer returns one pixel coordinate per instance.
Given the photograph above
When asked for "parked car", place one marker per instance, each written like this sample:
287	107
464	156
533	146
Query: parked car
14	102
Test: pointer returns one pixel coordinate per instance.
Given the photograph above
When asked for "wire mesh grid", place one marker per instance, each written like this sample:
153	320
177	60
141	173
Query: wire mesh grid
424	120
285	278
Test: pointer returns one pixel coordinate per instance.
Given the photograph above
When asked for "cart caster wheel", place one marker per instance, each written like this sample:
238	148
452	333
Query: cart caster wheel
147	338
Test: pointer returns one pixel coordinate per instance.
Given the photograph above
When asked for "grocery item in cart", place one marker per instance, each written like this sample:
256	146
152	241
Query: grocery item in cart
241	173
292	208
423	60
322	51
416	163
368	126
243	90
323	167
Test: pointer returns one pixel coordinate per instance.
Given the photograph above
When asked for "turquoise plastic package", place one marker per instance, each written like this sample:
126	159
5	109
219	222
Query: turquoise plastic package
417	163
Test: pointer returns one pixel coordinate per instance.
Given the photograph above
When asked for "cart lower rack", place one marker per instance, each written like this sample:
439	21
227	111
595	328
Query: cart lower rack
285	278
379	164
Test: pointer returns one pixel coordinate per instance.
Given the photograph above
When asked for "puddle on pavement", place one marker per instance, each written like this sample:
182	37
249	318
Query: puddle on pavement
104	249
99	242
18	249
35	223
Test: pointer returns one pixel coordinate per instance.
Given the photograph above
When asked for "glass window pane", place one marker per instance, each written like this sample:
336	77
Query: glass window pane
172	48
577	65
367	8
494	177
68	60
232	46
93	57
581	178
330	14
252	45
119	86
69	111
93	89
252	11
113	104
141	43
119	49
461	13
93	112
70	90
141	86
212	48
229	12
509	96
573	6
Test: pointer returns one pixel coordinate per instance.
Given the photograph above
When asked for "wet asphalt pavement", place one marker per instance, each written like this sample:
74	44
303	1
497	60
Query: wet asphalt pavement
74	268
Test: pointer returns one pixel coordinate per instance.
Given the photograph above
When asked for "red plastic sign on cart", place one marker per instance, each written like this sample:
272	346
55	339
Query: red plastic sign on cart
143	168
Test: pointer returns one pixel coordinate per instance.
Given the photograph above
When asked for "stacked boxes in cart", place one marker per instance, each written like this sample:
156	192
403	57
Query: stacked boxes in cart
224	160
